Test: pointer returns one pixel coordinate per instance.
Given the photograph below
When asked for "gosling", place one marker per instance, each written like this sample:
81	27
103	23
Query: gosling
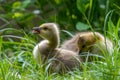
48	48
84	42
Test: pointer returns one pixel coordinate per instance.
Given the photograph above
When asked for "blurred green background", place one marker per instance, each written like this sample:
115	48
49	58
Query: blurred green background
71	15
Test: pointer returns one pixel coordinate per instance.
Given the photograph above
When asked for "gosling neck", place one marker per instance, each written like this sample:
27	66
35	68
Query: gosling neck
54	41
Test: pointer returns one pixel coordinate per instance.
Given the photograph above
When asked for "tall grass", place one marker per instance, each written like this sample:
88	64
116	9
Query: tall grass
22	66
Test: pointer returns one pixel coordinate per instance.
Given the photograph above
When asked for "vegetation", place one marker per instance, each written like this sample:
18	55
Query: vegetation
18	17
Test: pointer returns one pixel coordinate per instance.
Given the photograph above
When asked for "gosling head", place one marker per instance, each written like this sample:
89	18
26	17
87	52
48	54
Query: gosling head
87	40
47	30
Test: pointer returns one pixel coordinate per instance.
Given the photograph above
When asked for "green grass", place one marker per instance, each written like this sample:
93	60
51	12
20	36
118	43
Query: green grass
17	62
16	58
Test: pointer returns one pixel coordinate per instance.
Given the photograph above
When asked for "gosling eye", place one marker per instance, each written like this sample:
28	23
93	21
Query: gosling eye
45	28
83	46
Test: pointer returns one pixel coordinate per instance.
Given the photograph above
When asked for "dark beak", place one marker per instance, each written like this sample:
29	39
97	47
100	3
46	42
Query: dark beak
36	30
